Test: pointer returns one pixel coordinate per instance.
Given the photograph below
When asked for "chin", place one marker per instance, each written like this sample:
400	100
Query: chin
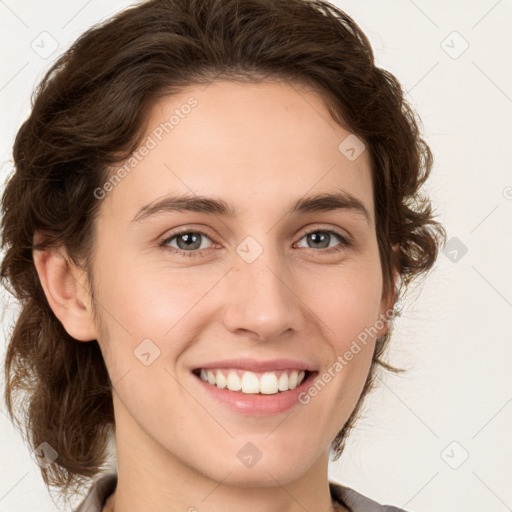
262	475
267	468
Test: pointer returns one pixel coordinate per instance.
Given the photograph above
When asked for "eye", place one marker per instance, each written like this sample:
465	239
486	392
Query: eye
187	242
321	239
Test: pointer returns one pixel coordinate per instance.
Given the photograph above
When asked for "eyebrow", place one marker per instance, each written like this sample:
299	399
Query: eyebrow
193	203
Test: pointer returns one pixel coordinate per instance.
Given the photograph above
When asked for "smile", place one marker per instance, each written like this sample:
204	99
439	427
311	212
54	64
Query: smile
255	387
247	382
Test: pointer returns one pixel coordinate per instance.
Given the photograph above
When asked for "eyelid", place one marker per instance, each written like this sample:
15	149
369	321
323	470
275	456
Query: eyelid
345	235
188	229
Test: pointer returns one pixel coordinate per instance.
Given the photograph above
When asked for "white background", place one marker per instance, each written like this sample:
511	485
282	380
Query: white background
456	336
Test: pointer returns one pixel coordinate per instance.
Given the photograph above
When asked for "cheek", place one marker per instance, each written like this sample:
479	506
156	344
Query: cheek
152	300
346	299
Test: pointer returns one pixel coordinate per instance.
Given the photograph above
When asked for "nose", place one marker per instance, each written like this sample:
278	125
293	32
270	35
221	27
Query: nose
262	299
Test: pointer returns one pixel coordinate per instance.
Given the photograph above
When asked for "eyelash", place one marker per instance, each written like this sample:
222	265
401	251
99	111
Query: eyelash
345	242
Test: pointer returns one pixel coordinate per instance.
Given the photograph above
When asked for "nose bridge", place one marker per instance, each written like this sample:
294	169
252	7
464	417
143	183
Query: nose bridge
262	299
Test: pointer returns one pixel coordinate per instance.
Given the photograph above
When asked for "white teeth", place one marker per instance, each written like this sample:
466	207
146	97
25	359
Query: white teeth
221	380
234	383
211	377
292	383
268	383
282	385
250	383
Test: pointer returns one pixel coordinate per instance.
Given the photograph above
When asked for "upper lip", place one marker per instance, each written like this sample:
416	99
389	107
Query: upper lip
258	366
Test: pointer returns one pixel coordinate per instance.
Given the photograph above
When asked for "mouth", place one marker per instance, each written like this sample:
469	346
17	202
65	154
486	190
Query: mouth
254	387
251	382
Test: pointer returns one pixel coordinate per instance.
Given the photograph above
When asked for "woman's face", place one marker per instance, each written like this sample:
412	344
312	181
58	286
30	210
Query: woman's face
263	286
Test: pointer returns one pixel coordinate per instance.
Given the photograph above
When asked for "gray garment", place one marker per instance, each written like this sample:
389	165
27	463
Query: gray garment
356	502
102	487
106	484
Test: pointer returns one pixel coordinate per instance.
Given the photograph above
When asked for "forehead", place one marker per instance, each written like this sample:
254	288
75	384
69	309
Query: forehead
252	144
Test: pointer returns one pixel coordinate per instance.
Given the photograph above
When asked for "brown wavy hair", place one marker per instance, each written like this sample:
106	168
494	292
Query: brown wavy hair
90	111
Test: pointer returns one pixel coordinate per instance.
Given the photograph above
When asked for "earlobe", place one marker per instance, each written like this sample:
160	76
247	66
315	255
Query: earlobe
66	291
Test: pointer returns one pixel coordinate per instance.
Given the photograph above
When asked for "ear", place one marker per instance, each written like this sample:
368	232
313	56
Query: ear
388	302
66	290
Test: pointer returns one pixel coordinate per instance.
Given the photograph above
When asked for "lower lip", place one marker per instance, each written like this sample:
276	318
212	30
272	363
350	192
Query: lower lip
256	404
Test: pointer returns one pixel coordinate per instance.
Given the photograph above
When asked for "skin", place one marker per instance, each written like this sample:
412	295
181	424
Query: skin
259	147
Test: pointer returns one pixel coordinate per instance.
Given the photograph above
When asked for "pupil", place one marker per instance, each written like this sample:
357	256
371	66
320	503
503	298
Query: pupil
189	239
322	236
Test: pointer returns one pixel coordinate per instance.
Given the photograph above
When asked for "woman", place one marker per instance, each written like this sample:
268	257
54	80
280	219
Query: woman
214	210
